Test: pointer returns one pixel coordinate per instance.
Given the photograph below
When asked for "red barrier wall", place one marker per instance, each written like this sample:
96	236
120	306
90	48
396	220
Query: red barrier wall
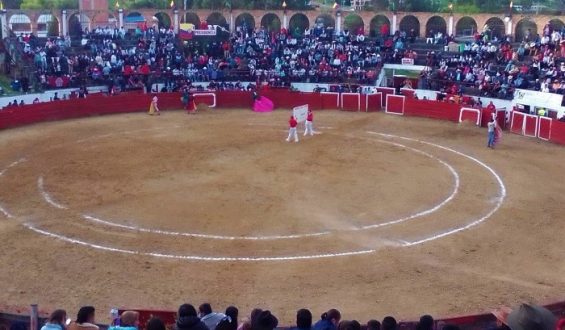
99	104
374	102
557	132
351	102
432	109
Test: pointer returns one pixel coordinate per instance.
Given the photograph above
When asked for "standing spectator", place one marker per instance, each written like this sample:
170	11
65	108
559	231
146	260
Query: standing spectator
265	321
329	320
188	320
389	323
155	323
56	320
426	323
85	319
303	320
209	318
232	312
129	320
491	127
373	325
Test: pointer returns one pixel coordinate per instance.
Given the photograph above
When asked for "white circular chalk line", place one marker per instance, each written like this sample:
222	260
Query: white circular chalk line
96	219
499	201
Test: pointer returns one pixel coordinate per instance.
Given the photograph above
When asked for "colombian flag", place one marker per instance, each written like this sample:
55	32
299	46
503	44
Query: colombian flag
185	31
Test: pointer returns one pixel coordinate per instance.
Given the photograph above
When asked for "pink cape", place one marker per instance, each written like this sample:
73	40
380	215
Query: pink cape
263	104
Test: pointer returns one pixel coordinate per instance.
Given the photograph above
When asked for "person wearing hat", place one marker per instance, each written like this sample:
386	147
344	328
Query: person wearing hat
491	128
531	317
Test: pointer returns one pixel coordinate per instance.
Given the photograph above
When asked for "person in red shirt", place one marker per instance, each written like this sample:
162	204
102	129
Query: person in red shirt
292	129
308	128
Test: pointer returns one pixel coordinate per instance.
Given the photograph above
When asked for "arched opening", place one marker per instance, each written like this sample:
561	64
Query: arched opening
20	23
217	19
325	20
191	18
526	30
298	23
556	24
354	24
496	27
112	21
436	24
132	20
245	21
163	20
271	22
409	23
466	26
47	26
377	24
77	24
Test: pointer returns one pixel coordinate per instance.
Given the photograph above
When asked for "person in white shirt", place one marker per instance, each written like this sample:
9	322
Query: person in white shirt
491	128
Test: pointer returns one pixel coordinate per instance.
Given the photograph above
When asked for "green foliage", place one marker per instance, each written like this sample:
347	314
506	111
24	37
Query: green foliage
12	4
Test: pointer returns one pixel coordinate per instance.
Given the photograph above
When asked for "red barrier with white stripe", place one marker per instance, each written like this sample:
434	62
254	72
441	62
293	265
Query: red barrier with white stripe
395	104
470	114
373	102
517	122
386	91
544	128
531	125
350	101
207	98
330	100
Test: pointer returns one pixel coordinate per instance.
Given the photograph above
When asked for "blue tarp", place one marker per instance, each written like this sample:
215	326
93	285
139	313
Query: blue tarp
134	19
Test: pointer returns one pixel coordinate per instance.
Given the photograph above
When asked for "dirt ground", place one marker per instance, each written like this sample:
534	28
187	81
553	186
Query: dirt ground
230	178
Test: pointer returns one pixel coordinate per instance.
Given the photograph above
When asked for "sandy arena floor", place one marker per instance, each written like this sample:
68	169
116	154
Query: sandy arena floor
140	211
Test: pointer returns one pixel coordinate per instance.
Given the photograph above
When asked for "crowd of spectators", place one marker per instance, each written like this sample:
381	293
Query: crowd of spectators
134	59
494	66
524	317
487	65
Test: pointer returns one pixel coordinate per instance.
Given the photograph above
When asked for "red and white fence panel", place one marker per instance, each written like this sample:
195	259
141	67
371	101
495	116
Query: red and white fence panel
330	100
544	128
350	101
470	114
531	125
207	98
386	91
395	104
517	122
524	124
373	102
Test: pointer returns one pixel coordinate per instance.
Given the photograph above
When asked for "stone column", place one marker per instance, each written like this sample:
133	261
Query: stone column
509	26
4	18
120	18
176	19
65	23
338	22
285	20
232	22
450	30
394	24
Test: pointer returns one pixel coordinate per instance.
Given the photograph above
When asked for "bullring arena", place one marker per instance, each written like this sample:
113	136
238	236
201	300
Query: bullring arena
376	214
